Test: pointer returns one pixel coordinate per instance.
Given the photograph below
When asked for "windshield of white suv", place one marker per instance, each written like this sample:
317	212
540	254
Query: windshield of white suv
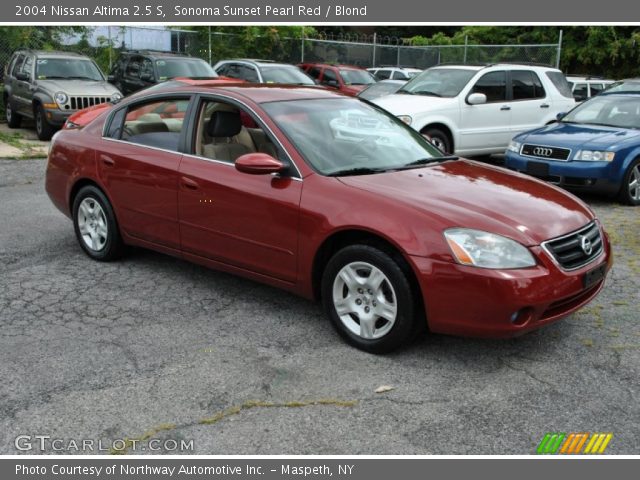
67	69
357	77
345	136
285	74
439	82
183	67
624	86
607	110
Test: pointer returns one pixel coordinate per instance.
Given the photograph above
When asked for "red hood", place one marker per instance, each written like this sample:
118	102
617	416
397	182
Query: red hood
468	194
352	89
83	117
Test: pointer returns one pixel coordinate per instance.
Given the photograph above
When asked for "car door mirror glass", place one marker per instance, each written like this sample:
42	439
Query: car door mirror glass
477	99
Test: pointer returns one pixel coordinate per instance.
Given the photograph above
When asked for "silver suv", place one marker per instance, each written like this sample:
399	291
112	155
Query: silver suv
49	86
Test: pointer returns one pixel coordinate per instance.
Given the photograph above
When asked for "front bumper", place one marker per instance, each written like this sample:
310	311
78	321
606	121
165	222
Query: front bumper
57	117
574	175
470	301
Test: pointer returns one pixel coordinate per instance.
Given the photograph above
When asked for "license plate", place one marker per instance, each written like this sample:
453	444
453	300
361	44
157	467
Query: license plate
594	276
538	169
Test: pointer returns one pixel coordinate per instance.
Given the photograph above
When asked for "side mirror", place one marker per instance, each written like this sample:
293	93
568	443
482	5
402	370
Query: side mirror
477	99
22	76
147	77
560	116
258	164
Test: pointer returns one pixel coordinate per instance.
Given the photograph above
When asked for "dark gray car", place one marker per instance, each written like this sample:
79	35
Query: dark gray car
49	86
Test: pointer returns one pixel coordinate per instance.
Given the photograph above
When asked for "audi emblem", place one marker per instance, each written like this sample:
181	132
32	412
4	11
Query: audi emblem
586	245
542	152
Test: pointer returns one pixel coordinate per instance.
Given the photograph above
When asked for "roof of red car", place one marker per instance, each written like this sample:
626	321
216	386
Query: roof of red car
261	93
334	65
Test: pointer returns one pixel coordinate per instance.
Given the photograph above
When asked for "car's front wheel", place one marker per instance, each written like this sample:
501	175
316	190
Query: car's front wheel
630	189
95	225
439	139
43	128
14	120
369	299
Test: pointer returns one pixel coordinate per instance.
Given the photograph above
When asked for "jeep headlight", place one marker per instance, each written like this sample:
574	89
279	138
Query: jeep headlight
594	156
514	146
487	250
406	119
61	98
116	97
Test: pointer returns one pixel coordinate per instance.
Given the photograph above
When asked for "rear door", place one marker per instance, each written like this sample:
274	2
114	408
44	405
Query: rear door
138	164
531	105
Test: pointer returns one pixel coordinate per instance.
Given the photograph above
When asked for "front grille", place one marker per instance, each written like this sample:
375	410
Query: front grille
542	151
78	103
576	249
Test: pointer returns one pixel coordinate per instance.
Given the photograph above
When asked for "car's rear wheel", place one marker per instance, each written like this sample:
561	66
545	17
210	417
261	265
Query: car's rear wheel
43	127
369	298
14	120
439	139
95	225
630	189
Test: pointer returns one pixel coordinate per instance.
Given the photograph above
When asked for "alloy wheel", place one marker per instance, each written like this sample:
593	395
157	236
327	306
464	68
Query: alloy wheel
92	224
634	183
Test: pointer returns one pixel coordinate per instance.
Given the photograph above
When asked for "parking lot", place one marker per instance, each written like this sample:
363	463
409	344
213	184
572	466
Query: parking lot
154	347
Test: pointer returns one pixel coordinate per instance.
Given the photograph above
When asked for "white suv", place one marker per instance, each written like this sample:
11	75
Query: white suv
477	110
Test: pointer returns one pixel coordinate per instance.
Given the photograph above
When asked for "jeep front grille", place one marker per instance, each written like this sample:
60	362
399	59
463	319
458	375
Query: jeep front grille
78	103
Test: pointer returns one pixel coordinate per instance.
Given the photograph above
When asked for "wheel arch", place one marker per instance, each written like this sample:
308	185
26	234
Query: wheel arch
353	236
83	182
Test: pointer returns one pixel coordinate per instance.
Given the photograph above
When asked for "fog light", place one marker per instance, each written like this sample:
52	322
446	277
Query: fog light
521	317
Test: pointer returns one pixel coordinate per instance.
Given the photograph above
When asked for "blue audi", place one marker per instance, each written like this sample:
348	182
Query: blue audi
595	147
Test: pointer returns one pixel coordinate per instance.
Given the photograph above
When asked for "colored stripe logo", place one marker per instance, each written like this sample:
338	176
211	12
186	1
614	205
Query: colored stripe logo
574	443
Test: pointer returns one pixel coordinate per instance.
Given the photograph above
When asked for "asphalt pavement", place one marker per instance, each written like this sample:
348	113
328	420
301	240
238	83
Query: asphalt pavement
152	347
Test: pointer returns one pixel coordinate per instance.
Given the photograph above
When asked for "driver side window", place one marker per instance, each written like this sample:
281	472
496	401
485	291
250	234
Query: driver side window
493	85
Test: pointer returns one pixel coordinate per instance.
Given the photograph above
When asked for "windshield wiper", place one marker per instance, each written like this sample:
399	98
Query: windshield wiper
427	92
424	161
356	171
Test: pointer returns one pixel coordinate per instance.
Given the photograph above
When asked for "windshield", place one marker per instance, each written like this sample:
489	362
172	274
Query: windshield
624	86
357	77
181	67
286	74
67	68
439	82
379	89
345	136
608	110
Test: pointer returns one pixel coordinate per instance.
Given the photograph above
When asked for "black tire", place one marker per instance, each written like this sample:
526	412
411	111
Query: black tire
14	120
406	324
43	128
439	138
112	246
633	172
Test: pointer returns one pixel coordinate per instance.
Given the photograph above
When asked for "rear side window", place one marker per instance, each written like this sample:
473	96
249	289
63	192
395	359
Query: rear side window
383	74
17	65
580	91
399	76
314	72
596	88
329	76
493	85
157	124
526	85
560	82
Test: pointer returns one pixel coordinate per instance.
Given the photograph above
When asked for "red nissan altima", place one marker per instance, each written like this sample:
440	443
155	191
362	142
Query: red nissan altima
332	198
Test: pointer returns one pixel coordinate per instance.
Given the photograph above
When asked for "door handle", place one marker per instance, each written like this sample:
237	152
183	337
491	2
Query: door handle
190	184
109	162
505	107
544	105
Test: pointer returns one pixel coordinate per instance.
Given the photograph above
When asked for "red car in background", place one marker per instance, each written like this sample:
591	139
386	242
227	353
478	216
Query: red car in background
345	78
332	198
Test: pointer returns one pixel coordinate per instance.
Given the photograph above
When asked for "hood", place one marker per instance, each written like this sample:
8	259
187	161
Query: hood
79	87
353	89
571	135
83	117
405	104
468	194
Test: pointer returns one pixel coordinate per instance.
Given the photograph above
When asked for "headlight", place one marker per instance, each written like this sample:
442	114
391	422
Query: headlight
60	98
594	156
406	119
116	97
487	250
514	146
